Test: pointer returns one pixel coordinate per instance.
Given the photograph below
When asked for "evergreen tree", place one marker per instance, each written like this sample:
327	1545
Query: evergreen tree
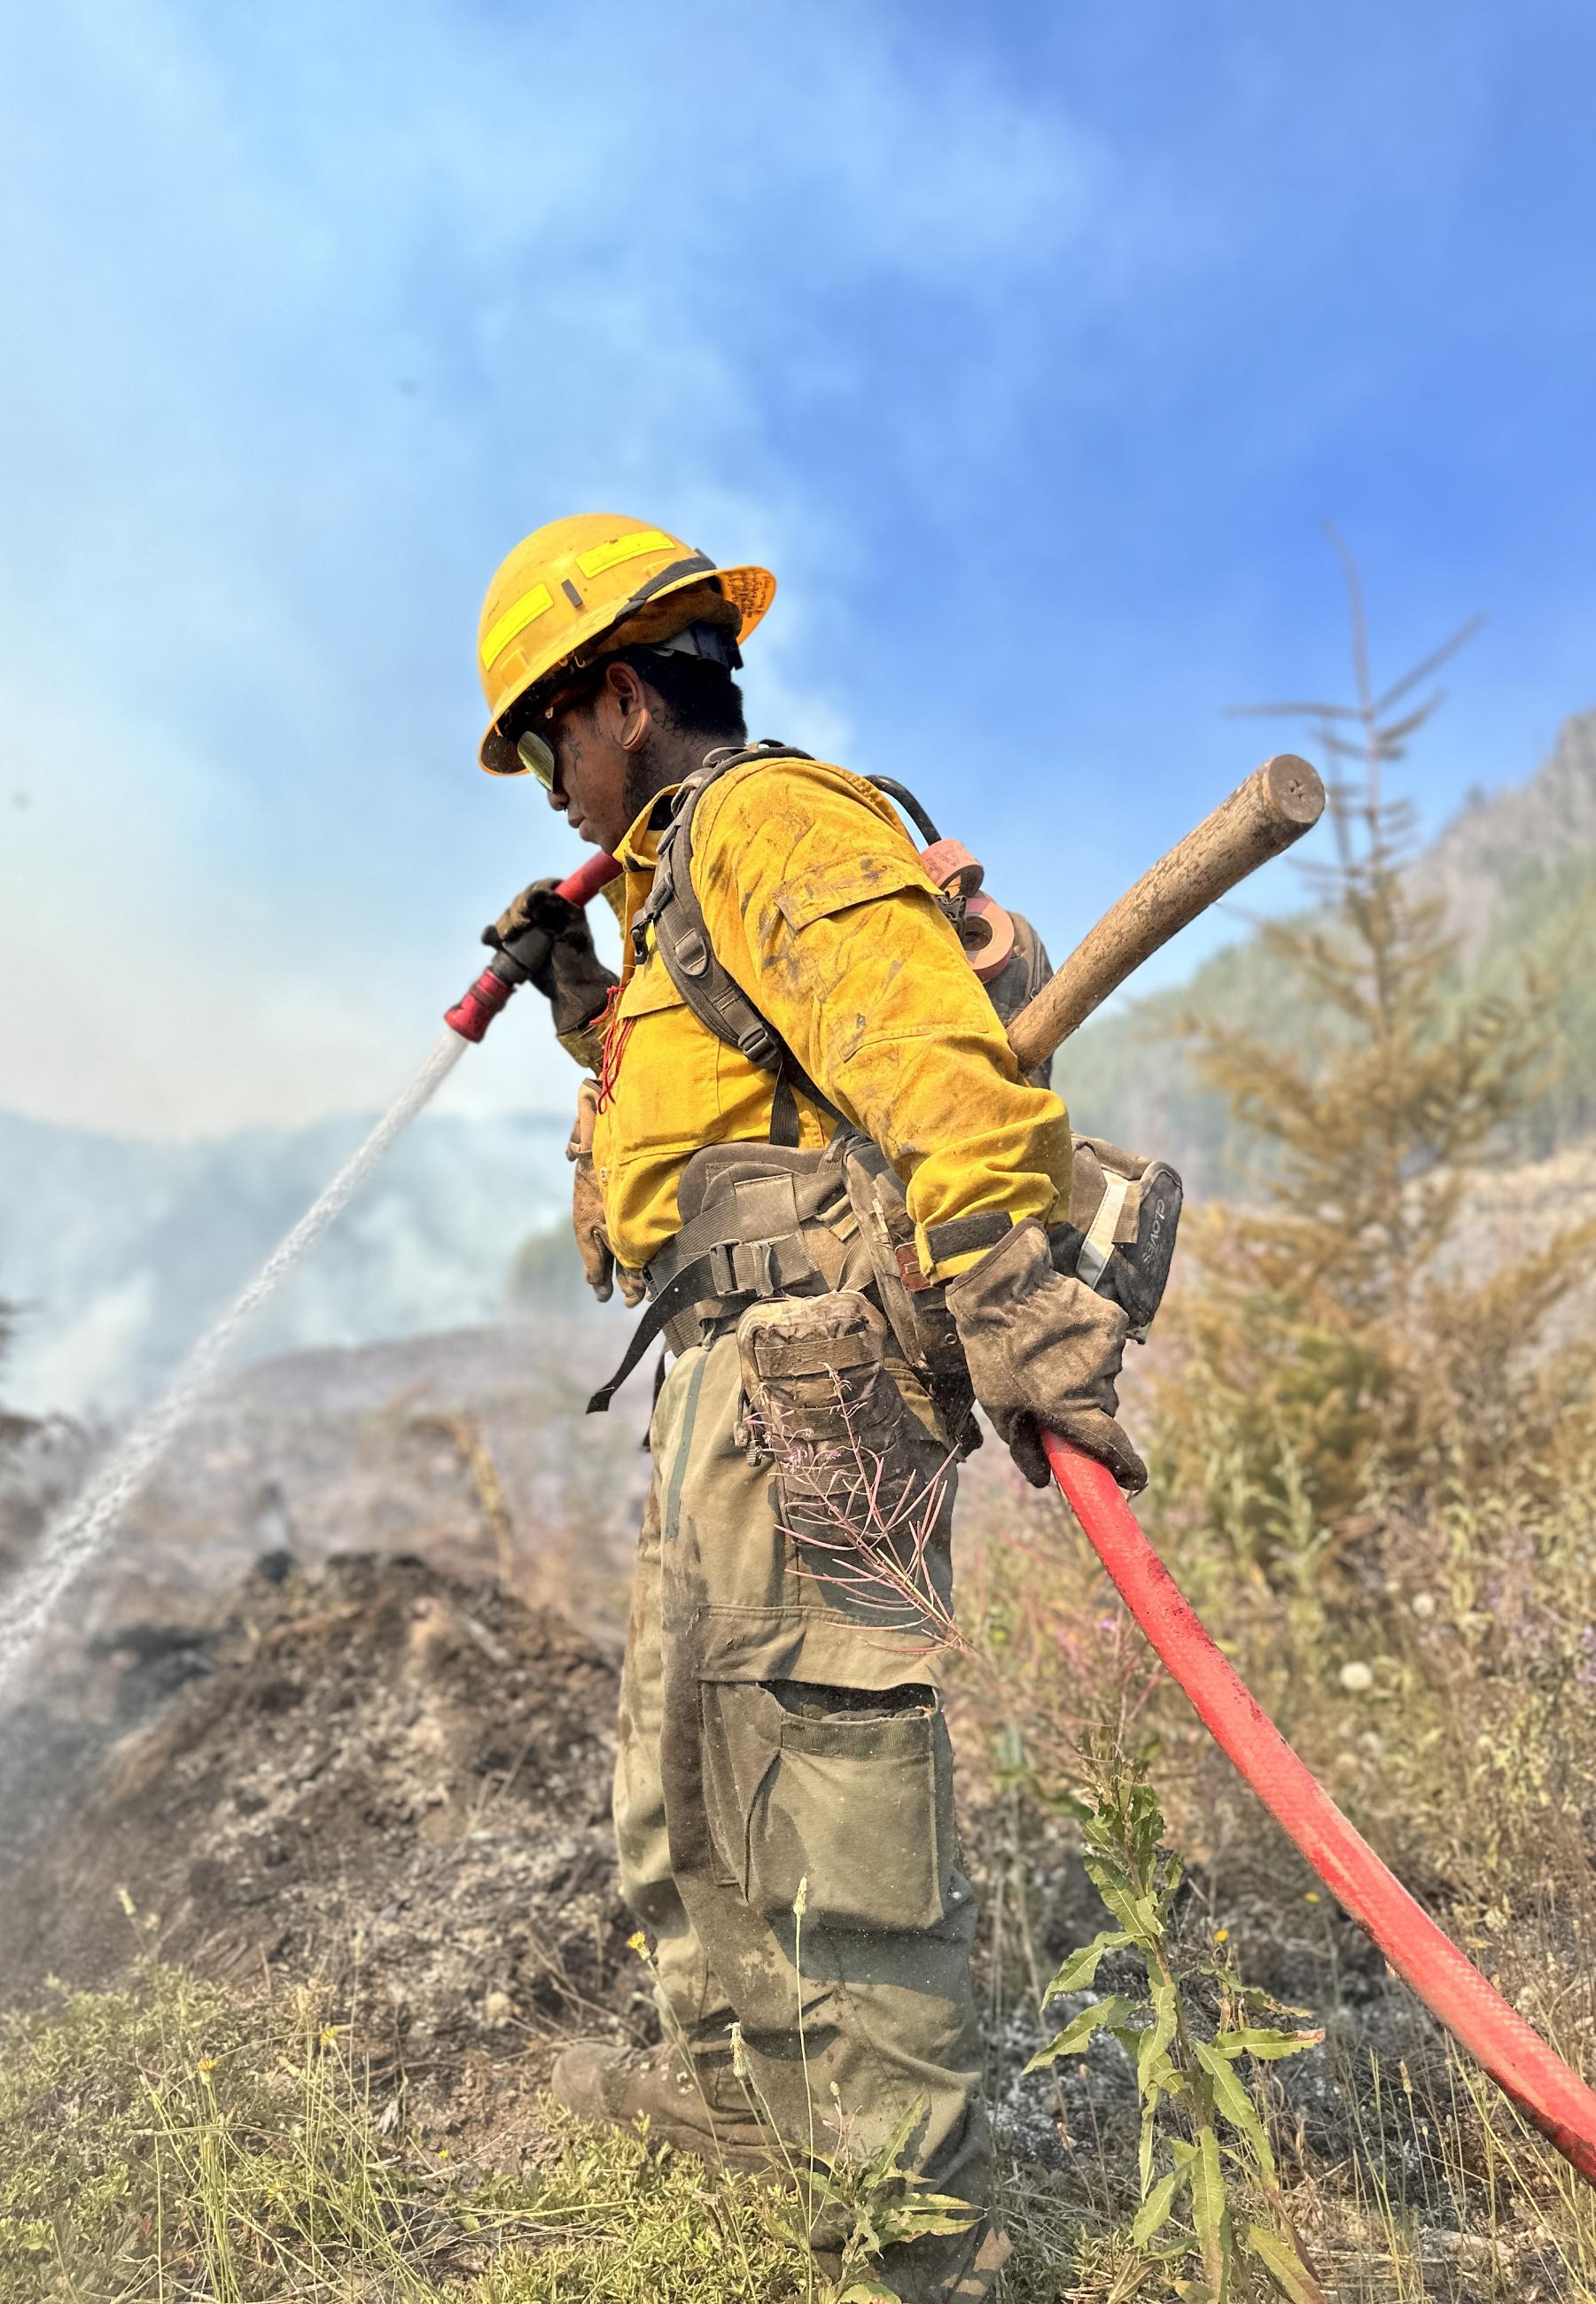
1350	1326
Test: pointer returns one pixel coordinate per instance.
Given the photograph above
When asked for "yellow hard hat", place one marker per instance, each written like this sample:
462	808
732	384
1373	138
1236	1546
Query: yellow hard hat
596	579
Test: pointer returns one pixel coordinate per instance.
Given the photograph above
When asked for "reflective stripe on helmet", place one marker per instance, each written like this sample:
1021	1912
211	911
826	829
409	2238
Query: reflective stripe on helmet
624	548
515	619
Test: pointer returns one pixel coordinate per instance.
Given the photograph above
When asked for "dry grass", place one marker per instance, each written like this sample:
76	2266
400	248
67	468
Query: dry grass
1435	1666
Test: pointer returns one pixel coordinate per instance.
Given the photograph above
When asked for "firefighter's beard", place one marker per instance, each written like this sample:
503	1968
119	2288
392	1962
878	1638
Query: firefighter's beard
663	761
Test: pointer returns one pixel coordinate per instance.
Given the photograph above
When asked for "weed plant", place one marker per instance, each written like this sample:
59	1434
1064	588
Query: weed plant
1205	2141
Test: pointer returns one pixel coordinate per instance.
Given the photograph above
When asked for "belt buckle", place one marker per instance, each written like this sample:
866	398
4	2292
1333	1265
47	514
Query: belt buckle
723	1274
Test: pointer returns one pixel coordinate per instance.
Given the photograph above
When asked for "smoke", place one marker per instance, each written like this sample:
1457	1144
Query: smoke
88	1359
82	1526
119	1253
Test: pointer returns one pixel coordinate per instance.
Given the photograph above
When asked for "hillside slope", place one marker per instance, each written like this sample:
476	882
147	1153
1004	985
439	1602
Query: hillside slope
119	1253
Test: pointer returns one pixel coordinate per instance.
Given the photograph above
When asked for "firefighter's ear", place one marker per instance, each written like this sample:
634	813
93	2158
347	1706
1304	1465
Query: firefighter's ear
624	699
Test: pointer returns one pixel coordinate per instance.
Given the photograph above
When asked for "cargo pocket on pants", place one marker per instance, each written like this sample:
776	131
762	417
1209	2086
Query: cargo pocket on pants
848	1790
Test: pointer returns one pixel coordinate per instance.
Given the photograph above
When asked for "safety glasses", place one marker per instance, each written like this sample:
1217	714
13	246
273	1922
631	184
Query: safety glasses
714	643
533	747
536	756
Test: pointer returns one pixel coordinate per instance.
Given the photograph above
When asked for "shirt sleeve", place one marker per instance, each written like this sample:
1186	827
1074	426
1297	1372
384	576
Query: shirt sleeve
585	1046
817	905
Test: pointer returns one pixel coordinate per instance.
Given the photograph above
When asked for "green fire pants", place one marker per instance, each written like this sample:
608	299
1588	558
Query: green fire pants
781	1746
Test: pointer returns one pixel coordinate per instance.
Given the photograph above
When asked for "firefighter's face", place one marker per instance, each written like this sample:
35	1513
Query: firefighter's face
596	741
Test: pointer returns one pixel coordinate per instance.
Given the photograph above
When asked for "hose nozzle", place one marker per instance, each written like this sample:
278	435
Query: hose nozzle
477	1007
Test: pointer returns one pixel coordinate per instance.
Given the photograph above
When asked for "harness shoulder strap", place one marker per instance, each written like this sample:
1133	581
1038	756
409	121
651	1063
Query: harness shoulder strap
682	940
677	917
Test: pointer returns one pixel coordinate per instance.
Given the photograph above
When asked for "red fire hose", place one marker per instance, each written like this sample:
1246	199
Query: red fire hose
1555	2098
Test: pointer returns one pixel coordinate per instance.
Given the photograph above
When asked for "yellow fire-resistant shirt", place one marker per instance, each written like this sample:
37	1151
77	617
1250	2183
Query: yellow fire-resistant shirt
817	907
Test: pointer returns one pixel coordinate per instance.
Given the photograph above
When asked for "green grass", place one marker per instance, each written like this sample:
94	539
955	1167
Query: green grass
176	2140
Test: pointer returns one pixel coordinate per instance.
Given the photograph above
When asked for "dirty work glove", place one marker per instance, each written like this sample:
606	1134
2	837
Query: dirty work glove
570	974
587	1207
1043	1349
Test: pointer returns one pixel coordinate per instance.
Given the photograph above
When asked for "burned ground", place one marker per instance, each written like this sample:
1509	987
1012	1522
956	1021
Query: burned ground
300	1716
380	1776
396	1781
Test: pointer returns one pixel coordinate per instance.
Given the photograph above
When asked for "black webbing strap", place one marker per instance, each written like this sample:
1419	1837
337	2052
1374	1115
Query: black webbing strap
686	1288
962	1235
704	1264
785	1130
792	1082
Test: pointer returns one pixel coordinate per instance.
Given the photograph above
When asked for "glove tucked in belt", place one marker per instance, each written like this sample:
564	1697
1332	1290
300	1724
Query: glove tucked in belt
1043	1349
587	1208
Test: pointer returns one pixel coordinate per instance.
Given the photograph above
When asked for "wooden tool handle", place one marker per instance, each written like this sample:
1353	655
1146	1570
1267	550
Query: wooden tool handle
1275	807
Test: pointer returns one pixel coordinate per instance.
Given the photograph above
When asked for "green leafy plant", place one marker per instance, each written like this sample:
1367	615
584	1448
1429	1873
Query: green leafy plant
880	2203
1205	2151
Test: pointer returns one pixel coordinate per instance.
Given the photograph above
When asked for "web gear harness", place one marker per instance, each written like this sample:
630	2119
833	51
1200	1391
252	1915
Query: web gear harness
755	1218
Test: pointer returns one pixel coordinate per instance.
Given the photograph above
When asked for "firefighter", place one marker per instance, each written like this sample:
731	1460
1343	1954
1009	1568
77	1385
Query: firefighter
804	1136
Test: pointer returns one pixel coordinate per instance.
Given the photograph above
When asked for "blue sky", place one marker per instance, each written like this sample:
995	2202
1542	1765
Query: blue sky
1030	345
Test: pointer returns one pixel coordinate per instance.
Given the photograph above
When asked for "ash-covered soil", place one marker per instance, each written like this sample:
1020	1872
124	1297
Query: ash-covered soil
380	1776
470	1450
336	1700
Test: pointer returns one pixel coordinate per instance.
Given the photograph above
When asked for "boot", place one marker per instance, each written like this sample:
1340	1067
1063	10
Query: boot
687	2105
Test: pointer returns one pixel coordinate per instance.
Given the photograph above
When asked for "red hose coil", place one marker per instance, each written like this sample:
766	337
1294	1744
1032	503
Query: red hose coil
1451	1987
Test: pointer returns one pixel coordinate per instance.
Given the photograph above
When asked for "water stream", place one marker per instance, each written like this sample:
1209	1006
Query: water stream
83	1524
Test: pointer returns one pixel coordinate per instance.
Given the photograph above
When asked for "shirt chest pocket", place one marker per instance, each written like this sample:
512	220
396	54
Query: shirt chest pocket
663	1066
